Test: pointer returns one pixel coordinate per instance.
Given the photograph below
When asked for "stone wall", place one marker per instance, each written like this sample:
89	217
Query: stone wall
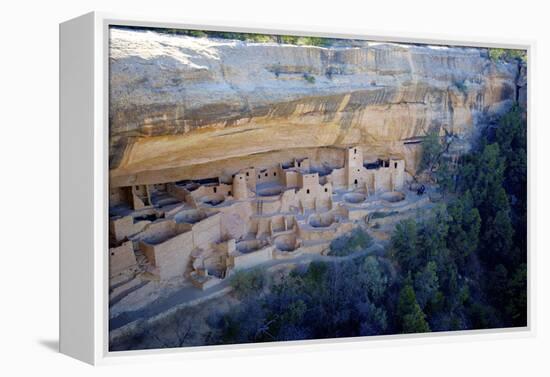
124	227
122	259
172	257
254	258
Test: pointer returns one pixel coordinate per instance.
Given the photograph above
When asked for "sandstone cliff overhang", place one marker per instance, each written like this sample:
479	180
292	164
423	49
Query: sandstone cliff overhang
178	102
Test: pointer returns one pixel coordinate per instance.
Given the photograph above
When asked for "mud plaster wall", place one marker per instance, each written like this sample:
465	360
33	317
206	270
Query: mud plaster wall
338	178
263	227
309	234
382	180
121	259
235	220
240	186
124	227
207	231
141	197
269	175
173	256
119	195
277	223
253	258
207	191
177	192
291	178
160	231
271	206
250	174
314	195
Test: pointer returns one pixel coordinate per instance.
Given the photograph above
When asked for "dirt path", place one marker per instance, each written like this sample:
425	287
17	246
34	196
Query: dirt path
192	296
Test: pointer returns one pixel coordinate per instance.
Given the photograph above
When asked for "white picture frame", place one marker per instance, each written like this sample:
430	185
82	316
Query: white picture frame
84	43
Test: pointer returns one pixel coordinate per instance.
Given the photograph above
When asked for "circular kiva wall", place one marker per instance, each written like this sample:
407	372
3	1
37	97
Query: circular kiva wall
213	200
287	242
190	217
189	186
355	197
249	246
322	220
269	191
393	196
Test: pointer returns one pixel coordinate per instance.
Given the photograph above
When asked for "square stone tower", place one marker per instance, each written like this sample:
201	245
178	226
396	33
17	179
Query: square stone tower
354	167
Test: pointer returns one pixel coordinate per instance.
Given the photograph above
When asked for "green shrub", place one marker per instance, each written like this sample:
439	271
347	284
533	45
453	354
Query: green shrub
309	78
248	282
381	215
305	41
499	54
357	240
248	37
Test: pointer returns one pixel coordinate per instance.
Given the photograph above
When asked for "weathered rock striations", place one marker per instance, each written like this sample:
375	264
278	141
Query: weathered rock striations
184	107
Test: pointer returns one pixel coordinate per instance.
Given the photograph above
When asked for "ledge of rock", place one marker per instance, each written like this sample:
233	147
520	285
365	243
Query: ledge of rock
187	108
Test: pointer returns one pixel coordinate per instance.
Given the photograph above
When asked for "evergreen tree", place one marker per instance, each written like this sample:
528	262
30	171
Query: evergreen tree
445	177
497	239
374	280
517	293
413	319
431	151
426	284
464	228
511	135
483	174
432	242
405	244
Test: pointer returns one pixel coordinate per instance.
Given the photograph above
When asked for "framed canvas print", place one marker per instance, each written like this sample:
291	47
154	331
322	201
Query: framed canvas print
239	187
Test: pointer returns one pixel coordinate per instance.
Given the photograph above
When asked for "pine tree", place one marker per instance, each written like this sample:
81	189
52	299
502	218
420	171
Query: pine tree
464	228
405	244
431	151
413	319
426	284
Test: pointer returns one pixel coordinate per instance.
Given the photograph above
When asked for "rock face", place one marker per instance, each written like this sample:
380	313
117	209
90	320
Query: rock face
187	108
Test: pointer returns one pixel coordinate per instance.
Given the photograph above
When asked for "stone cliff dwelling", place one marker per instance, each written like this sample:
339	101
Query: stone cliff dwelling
204	230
